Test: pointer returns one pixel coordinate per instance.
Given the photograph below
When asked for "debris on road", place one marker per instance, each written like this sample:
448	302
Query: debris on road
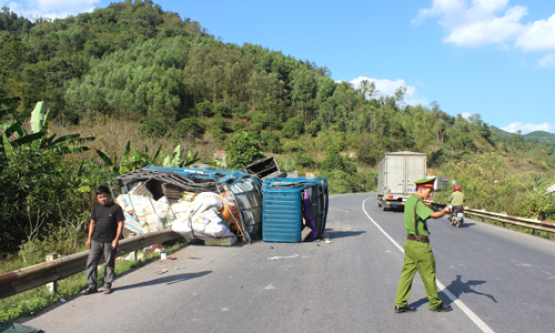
283	257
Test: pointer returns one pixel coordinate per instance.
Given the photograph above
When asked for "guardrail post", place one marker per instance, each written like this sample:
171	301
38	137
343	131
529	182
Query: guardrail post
133	256
534	232
52	287
504	224
483	219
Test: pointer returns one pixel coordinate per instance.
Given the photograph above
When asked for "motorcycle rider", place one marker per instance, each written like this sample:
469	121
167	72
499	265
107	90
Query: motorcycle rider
457	200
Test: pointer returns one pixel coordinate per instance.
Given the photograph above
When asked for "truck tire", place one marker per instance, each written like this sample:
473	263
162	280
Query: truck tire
385	209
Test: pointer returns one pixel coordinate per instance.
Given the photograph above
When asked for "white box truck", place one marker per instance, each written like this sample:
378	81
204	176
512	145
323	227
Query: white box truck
397	173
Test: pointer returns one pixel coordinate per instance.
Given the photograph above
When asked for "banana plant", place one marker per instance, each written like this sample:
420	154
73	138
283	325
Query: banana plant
131	160
38	139
175	160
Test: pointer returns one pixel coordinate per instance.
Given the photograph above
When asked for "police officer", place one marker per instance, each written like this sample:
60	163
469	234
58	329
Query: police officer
418	253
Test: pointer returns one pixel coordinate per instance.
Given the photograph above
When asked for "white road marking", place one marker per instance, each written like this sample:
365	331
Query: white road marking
479	322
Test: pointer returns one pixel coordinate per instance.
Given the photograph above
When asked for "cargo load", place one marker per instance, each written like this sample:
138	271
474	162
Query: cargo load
202	204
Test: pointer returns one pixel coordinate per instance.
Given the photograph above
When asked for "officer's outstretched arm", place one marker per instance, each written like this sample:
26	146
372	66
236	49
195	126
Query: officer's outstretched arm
441	213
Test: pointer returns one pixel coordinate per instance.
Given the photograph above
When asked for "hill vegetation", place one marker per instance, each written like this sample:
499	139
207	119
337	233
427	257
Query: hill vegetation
540	136
133	72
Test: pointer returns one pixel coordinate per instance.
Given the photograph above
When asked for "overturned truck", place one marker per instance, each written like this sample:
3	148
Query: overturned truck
223	206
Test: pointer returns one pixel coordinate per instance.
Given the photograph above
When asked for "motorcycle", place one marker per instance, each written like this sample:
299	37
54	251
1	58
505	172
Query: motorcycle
458	216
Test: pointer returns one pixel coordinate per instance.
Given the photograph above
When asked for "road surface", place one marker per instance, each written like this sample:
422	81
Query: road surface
502	281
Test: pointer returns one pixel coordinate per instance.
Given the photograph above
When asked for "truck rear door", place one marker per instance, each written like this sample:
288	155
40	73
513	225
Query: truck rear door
395	168
415	169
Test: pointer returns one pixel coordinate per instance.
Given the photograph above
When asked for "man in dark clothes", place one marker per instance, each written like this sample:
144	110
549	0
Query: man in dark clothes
104	233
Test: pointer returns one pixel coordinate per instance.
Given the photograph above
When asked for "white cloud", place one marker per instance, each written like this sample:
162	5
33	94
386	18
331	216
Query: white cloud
527	128
539	36
547	61
50	8
385	87
474	23
466	115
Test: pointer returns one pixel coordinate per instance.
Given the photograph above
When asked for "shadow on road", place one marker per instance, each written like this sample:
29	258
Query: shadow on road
457	288
343	234
171	279
465	225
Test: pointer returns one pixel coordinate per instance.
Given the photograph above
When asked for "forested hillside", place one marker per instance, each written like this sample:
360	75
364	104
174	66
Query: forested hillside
165	80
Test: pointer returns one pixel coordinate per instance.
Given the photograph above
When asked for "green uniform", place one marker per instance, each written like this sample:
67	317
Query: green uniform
457	199
418	255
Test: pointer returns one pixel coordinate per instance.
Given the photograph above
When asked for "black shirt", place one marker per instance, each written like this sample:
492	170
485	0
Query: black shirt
106	220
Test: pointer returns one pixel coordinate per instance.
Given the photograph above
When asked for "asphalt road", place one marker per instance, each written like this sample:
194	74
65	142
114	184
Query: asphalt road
504	280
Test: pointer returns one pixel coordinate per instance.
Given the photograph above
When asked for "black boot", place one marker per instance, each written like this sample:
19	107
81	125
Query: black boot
406	308
443	308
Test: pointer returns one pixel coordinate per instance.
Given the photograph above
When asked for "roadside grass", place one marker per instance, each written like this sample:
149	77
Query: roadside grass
32	301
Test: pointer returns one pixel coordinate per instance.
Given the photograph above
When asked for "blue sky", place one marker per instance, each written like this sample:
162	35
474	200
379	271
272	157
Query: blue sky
492	57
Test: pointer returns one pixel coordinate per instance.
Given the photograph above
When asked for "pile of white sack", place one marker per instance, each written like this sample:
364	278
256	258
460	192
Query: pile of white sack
195	215
201	218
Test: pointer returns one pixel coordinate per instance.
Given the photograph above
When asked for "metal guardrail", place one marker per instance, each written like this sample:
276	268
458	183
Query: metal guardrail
27	278
504	218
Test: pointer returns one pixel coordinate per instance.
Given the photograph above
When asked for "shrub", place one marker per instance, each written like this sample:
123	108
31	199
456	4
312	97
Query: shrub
257	123
221	109
313	128
293	128
333	162
293	146
241	110
276	125
36	190
275	122
274	146
271	141
340	140
152	128
218	133
243	149
304	160
189	126
203	108
257	127
237	126
269	136
220	122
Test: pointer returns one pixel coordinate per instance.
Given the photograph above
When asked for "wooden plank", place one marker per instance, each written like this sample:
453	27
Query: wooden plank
304	234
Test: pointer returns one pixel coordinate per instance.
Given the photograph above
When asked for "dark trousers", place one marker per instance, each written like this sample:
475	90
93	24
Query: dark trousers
97	250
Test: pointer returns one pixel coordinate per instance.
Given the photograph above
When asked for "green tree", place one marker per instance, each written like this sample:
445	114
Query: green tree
293	128
189	126
243	149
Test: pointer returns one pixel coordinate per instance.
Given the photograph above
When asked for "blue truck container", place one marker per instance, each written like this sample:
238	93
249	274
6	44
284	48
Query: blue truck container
282	214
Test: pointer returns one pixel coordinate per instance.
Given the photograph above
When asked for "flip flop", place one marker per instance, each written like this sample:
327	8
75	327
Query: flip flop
88	291
107	291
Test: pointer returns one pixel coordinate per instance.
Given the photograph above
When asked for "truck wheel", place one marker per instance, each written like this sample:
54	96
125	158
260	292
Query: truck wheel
379	204
385	209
